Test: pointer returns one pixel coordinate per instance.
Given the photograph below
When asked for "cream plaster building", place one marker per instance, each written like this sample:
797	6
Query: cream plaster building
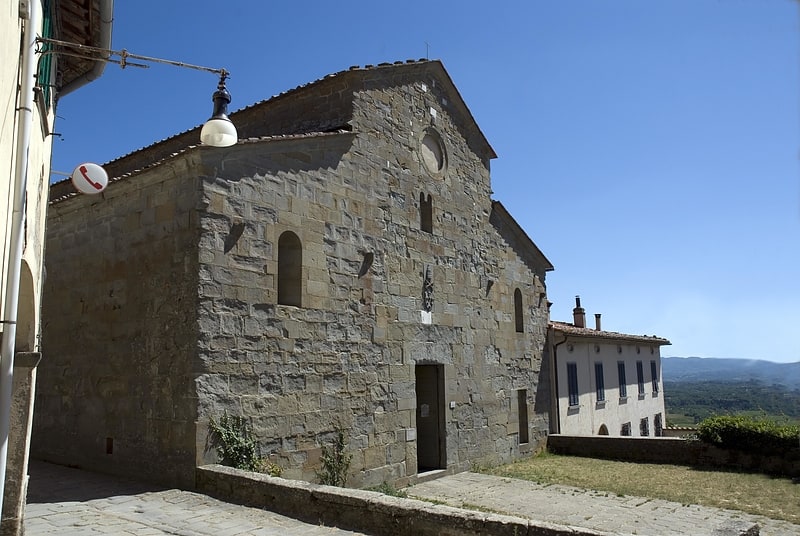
608	383
31	81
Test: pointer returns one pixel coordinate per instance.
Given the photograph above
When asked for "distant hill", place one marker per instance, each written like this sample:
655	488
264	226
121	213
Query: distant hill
696	369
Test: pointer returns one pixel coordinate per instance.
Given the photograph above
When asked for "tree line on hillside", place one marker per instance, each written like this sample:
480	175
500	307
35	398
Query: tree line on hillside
700	400
696	369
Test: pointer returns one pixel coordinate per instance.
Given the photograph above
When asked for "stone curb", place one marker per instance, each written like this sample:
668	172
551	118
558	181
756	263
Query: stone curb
366	511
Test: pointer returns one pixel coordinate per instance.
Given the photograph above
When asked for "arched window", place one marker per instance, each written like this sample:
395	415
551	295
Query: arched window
290	269
603	430
518	311
425	213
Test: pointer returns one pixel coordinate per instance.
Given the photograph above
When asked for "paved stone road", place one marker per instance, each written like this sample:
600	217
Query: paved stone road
69	502
590	509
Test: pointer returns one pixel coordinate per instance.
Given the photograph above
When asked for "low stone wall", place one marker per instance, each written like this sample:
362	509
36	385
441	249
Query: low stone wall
366	511
674	451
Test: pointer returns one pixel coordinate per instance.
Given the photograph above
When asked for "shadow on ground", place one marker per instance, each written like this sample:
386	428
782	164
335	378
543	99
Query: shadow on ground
51	483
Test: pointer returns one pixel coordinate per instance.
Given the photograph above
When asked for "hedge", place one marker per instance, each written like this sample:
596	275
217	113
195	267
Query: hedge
749	435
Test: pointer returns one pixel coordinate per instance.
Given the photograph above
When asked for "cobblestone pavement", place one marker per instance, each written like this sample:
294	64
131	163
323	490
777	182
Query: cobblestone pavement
69	502
589	509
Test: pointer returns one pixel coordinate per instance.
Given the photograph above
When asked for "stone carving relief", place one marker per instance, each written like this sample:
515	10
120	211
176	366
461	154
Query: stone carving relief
427	290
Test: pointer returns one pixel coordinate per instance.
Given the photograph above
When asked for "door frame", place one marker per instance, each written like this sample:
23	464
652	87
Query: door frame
438	441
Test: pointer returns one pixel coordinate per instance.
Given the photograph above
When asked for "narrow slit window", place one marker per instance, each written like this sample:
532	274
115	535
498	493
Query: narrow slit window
425	213
290	269
522	403
518	318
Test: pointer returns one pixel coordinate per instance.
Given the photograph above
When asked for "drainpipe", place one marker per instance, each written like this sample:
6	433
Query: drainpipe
24	125
555	372
106	23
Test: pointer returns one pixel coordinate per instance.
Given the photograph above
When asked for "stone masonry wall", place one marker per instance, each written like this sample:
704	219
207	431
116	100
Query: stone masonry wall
115	391
162	307
347	356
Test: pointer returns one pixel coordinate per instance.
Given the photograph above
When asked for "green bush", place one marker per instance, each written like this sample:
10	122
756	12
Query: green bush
335	462
236	446
749	435
268	467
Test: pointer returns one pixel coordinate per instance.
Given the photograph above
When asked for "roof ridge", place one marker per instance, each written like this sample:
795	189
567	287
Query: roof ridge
282	94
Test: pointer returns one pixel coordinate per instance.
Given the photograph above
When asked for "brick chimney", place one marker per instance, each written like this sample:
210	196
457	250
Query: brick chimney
579	314
597	321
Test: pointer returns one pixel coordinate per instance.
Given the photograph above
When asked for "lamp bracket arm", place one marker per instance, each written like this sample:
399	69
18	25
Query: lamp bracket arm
85	51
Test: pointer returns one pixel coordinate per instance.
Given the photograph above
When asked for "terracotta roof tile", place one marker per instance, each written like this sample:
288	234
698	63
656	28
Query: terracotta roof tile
571	329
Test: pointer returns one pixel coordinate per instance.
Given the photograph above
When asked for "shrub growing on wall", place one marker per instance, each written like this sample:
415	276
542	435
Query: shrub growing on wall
236	446
747	434
335	462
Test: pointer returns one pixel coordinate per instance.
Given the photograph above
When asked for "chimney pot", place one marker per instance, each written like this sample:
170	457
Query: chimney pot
579	314
597	321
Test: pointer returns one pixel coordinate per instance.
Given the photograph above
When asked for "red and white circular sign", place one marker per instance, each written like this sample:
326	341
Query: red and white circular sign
89	178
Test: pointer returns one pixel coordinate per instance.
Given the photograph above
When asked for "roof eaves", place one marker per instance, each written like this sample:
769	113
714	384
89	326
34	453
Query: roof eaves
571	329
57	193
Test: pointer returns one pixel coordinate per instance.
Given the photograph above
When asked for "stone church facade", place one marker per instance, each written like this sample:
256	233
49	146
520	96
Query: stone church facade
342	267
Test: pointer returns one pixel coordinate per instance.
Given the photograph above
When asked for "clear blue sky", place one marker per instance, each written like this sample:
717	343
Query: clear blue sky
650	149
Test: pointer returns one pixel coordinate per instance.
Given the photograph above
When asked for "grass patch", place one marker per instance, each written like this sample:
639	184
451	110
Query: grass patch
776	498
388	489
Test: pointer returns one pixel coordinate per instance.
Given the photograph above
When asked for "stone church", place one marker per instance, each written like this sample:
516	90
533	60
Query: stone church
342	267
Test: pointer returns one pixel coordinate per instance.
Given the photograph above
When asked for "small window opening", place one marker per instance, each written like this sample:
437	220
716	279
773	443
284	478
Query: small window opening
522	403
518	320
290	269
425	213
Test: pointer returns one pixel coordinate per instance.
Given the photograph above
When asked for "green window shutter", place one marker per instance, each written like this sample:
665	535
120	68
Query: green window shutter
44	77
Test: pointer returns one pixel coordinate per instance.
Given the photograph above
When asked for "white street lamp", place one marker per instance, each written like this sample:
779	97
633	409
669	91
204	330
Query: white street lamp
219	131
